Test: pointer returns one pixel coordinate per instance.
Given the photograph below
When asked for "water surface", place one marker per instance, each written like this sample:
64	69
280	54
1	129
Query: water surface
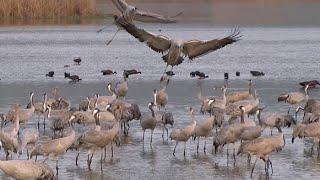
286	55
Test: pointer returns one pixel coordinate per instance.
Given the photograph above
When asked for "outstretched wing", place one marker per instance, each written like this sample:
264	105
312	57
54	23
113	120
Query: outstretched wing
157	43
196	48
120	4
151	17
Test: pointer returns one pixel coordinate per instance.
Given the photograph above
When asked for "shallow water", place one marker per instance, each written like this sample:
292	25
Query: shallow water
132	160
27	53
286	55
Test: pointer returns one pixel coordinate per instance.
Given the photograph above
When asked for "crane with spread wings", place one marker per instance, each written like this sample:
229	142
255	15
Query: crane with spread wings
175	50
131	13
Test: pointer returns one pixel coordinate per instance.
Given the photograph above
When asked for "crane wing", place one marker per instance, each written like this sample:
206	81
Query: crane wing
151	17
120	4
158	43
196	48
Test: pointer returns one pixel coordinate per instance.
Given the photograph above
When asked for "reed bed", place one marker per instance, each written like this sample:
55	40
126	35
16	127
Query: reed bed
46	8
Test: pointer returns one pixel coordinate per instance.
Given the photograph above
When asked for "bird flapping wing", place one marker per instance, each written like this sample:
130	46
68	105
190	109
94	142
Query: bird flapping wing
158	43
196	48
151	17
120	4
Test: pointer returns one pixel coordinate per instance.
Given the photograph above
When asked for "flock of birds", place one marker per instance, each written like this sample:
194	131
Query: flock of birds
105	120
102	121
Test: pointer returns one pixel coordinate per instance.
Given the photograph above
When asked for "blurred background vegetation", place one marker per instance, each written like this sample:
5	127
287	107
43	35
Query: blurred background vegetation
218	12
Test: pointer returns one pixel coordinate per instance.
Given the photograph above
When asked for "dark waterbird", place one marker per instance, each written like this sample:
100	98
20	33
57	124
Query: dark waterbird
312	83
194	73
200	75
170	73
108	72
175	50
77	60
50	74
74	78
131	71
257	73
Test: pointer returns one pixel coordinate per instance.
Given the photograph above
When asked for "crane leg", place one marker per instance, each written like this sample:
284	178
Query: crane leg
174	150
254	164
271	166
108	42
57	167
205	143
143	135
111	151
151	136
165	70
198	145
77	157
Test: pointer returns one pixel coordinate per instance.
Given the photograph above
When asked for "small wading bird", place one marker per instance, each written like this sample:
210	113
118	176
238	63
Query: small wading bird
174	49
131	13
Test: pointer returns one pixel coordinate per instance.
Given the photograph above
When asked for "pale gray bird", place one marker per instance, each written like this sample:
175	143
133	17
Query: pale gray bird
175	49
131	13
27	169
261	148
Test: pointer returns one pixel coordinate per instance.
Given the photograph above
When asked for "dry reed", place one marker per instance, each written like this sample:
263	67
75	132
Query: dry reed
46	8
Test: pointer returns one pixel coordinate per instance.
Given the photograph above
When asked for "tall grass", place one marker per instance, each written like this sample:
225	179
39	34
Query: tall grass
46	8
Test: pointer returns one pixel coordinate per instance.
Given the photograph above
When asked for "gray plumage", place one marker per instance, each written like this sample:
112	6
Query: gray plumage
233	97
250	105
294	97
131	13
148	121
204	129
261	148
311	130
120	89
124	112
175	49
219	102
29	136
183	135
24	169
164	119
95	139
161	96
25	114
274	120
55	147
311	106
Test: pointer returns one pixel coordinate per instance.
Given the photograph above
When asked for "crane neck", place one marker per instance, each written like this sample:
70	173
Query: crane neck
259	117
199	87
242	117
152	111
